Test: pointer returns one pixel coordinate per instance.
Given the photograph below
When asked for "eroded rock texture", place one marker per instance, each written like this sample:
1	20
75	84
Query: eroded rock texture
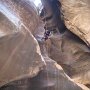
77	17
24	10
72	54
19	51
22	65
67	49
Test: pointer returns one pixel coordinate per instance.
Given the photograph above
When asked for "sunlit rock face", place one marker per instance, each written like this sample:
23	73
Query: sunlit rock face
24	10
20	55
77	17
